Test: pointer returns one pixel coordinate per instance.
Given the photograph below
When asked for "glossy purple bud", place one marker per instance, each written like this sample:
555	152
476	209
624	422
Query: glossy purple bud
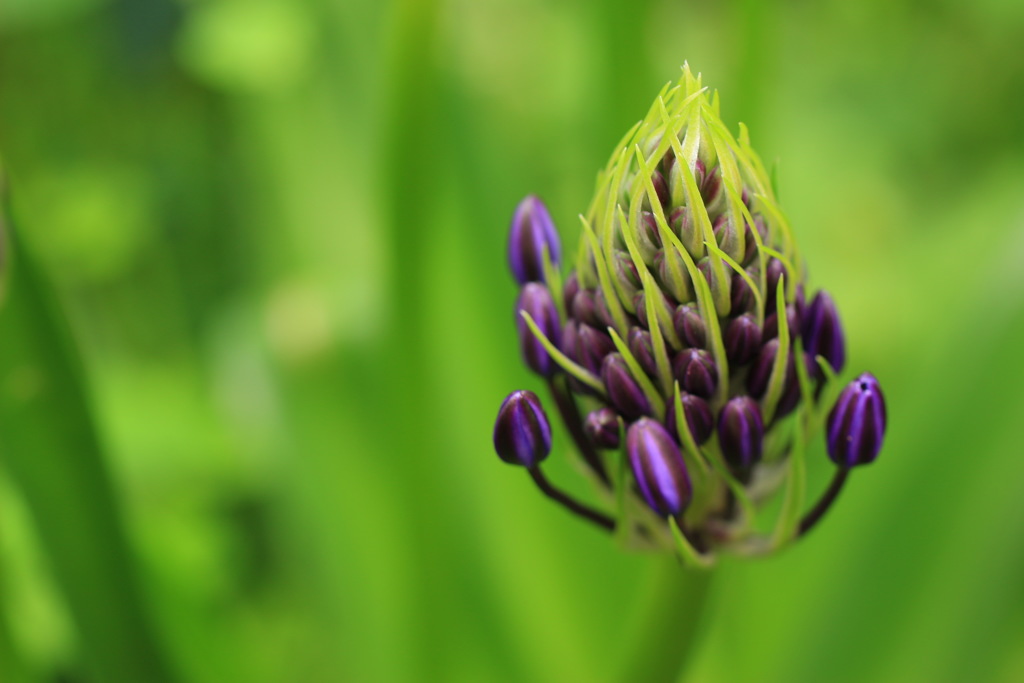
569	290
624	392
658	467
570	339
695	369
822	331
773	273
741	432
522	433
536	300
532	230
642	348
584	307
690	326
592	346
602	428
743	300
760	376
856	424
771	323
699	417
742	339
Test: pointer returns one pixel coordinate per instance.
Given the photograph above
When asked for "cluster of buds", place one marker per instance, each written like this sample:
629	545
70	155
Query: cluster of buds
680	351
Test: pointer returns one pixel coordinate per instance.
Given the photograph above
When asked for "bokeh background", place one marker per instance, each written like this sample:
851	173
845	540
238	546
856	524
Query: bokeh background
261	446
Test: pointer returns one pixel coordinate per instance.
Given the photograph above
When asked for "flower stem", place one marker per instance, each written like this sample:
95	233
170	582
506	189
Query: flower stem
565	500
829	497
666	624
571	418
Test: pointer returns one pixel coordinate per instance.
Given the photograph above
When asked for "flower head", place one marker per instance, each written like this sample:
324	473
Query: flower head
682	317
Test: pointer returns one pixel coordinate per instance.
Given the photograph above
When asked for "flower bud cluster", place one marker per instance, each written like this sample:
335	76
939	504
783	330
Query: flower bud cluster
683	321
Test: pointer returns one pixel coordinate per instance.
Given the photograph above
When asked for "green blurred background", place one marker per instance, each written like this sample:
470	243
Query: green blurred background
276	229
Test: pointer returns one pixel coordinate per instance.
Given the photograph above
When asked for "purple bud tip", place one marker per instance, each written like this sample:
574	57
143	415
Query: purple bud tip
742	339
856	425
658	467
690	326
699	417
592	346
532	229
822	331
624	392
536	300
602	427
696	371
522	433
642	348
741	432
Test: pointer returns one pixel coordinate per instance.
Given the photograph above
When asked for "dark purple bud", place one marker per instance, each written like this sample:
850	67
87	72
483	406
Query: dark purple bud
603	314
822	331
695	369
536	300
660	188
624	392
661	301
771	323
522	433
699	417
668	161
602	428
741	432
711	188
690	326
591	347
532	229
742	295
584	307
750	244
570	339
856	424
773	273
642	348
569	290
742	339
658	467
760	375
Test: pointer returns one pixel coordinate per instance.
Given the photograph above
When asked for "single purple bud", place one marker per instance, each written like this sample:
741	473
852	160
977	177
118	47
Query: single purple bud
570	339
658	467
624	392
536	300
603	314
569	290
771	323
760	375
584	307
642	348
711	188
743	300
532	230
742	339
522	433
695	369
591	347
661	301
773	273
699	417
660	188
690	326
822	331
741	432
856	424
602	428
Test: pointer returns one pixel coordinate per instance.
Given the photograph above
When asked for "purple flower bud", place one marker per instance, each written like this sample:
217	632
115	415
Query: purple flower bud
696	372
822	331
584	307
690	326
602	427
536	300
741	432
699	417
625	270
771	323
668	161
742	339
640	303
760	375
660	188
591	347
711	187
522	434
773	273
532	229
569	290
658	467
743	300
624	392
642	348
856	424
570	339
603	314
